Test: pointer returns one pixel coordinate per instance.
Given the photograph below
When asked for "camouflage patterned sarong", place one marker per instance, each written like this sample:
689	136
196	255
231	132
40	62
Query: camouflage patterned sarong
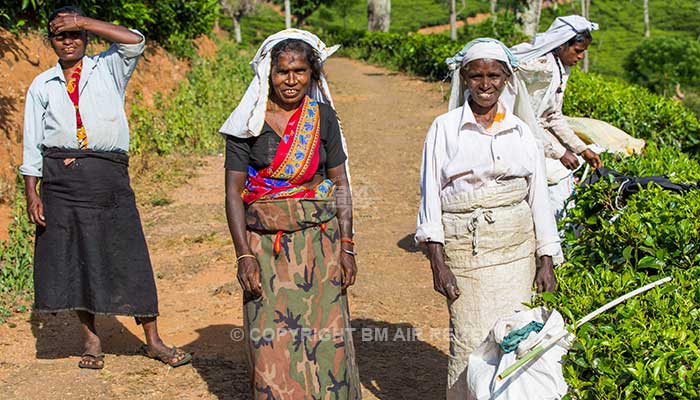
298	333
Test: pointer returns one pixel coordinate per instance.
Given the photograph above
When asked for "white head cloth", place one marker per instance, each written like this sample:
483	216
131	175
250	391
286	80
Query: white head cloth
560	32
477	49
515	96
248	118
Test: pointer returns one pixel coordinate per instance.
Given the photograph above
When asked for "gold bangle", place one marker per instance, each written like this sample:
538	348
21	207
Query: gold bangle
75	21
242	256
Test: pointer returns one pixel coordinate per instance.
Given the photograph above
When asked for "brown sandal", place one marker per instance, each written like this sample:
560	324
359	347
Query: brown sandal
92	361
174	358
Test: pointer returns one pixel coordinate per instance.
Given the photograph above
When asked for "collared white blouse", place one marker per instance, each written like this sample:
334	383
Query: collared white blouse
460	155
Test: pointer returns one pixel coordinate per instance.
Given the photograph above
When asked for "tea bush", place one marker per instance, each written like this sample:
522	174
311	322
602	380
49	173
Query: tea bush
406	15
647	347
419	54
633	109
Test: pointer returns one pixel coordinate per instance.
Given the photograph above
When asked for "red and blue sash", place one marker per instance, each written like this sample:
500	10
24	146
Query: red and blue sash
295	162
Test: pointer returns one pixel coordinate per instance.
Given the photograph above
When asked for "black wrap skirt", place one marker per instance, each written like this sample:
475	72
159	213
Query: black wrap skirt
92	254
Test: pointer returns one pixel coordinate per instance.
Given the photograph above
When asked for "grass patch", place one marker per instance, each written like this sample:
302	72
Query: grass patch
16	253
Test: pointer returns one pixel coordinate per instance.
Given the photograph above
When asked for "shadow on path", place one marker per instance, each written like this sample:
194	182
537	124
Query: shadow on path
395	364
59	336
221	362
408	244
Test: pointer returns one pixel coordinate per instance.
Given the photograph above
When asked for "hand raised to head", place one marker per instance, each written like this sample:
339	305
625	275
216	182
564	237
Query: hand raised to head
66	22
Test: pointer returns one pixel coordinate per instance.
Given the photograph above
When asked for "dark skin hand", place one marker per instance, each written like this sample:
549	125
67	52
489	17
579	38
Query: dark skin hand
485	80
69	41
444	281
248	267
569	160
592	158
343	202
69	37
545	280
35	207
289	79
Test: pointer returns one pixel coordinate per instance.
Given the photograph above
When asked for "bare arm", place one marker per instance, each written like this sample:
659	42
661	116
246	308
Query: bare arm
343	201
248	267
114	33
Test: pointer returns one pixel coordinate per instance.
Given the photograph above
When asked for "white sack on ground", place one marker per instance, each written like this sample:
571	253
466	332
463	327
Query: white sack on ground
540	379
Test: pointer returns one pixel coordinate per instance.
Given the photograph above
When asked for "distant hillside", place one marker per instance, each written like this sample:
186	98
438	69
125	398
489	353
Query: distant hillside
621	22
622	26
406	15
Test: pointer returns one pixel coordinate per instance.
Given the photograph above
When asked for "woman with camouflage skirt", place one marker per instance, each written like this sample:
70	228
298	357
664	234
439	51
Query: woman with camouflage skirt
289	210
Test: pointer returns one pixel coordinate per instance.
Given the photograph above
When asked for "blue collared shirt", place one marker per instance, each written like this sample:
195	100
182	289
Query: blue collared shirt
49	115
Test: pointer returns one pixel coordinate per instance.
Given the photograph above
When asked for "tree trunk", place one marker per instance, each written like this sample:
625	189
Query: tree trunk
378	15
301	20
453	20
237	29
287	14
494	13
585	7
531	17
647	27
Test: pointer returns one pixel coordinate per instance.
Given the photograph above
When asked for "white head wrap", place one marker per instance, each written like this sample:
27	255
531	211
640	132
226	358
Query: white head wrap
477	49
515	96
248	118
560	32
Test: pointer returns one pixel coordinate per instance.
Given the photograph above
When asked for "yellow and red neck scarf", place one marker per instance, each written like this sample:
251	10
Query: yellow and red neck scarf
295	162
73	87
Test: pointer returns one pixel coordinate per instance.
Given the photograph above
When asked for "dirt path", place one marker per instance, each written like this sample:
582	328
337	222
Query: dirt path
385	116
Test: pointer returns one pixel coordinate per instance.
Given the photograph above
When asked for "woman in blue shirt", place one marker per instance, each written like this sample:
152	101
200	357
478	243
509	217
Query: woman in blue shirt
91	255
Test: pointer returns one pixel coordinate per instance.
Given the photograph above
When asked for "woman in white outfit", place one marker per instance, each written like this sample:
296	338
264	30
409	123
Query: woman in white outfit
544	68
484	212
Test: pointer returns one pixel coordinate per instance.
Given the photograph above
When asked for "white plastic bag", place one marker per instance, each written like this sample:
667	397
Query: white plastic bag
540	379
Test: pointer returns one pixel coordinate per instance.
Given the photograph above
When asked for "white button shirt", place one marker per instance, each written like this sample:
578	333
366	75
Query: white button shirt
460	155
49	116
